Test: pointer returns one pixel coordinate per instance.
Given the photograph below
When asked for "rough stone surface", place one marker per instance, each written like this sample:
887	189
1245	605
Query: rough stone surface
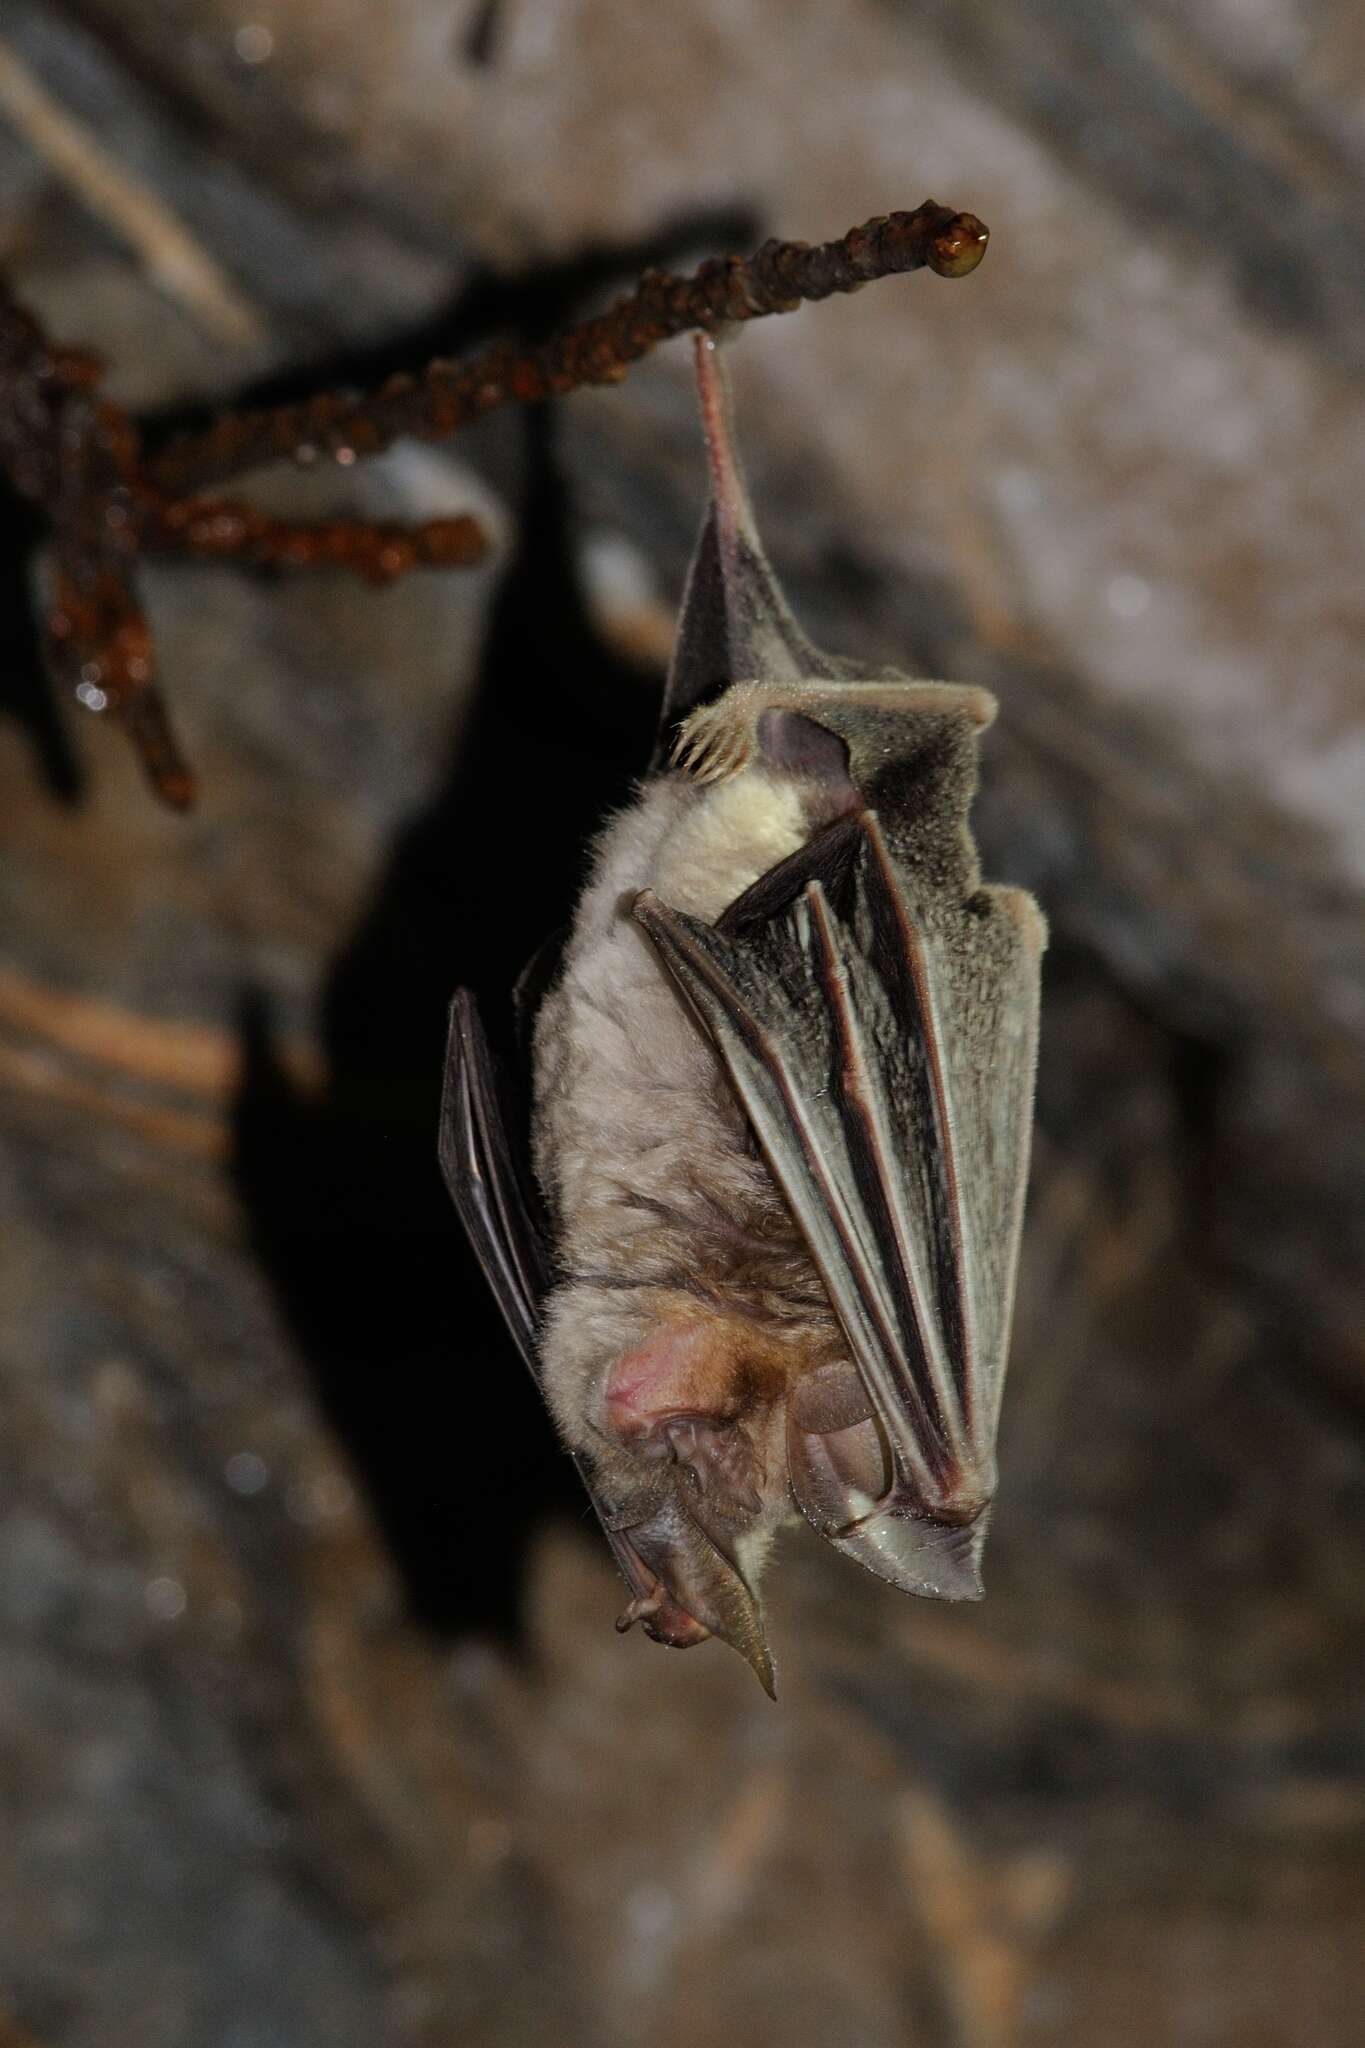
313	1727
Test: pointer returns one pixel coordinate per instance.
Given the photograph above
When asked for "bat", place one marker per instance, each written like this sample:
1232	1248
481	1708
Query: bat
758	1247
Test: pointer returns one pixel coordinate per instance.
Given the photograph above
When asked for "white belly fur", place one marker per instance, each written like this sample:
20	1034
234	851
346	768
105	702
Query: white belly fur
629	1104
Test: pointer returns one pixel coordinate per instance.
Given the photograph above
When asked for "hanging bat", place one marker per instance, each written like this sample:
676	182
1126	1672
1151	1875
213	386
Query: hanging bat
759	1254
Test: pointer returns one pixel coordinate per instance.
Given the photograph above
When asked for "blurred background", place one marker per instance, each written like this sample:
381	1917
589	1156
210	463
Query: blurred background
313	1726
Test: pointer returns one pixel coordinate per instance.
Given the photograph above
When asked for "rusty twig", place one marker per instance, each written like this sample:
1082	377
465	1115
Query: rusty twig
220	529
80	460
446	396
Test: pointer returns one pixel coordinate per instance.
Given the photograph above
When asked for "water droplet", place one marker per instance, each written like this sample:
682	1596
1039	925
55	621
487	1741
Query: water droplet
92	696
254	42
165	1599
1128	596
651	1911
246	1473
225	1619
332	1494
320	1499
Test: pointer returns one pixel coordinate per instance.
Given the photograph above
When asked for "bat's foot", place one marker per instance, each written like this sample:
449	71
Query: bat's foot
780	726
712	744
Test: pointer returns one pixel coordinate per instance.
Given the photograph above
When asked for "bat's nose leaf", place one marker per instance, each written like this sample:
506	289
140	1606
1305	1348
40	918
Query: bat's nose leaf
839	1481
704	1584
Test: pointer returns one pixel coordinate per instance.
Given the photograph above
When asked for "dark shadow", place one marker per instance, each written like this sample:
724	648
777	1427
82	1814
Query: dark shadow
478	41
26	691
350	1216
348	1209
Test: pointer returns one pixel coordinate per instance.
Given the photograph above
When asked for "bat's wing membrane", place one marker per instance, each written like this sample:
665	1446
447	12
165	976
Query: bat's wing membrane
486	1185
883	1051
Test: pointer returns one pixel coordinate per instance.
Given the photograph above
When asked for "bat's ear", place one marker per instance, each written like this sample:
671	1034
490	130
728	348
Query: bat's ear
735	624
704	1592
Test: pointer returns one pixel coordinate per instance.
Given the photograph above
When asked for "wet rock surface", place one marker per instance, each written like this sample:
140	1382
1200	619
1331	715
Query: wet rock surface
313	1727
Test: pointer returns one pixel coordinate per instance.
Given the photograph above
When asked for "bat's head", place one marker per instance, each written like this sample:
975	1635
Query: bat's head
717	1432
692	1416
677	1408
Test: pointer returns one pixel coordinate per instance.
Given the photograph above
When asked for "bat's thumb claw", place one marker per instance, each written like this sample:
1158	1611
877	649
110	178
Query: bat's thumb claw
639	1610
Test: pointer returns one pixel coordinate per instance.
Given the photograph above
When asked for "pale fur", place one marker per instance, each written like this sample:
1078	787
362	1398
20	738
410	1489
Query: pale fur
657	1195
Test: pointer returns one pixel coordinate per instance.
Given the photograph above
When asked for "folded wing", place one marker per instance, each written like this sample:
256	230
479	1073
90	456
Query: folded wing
882	1043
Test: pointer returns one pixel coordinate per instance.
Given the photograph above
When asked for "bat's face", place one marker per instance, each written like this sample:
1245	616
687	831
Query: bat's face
694	1415
711	1433
680	1412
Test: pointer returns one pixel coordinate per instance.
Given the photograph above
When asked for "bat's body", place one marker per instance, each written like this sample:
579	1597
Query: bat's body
782	1086
639	1143
683	1266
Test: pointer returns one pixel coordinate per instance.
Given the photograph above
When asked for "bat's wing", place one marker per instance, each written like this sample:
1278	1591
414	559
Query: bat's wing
882	1043
684	1579
486	1182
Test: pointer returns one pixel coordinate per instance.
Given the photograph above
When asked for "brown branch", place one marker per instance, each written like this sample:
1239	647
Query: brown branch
446	396
80	459
220	529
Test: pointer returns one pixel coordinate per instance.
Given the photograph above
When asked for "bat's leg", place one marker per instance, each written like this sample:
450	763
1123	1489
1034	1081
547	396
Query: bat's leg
768	724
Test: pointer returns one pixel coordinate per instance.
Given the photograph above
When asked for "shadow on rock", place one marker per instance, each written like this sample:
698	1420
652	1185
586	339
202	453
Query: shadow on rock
26	694
350	1216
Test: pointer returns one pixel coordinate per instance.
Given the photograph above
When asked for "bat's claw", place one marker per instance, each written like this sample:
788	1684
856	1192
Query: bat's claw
639	1610
711	745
